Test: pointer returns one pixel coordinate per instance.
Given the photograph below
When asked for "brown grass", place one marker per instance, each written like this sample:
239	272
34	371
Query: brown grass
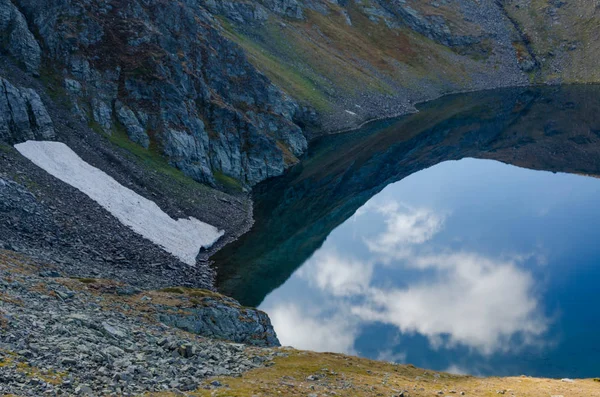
350	376
12	360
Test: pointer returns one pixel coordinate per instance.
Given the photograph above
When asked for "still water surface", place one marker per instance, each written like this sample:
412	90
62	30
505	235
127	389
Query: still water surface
463	238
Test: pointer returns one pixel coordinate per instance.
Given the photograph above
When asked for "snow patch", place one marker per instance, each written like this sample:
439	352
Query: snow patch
182	238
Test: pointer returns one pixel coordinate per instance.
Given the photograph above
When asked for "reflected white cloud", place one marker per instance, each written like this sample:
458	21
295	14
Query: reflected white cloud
390	356
473	301
456	370
405	226
305	330
458	298
338	275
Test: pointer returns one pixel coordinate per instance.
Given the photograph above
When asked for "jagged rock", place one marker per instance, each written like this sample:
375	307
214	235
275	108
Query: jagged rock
239	12
289	8
23	115
113	331
188	151
132	125
208	108
102	114
66	343
20	42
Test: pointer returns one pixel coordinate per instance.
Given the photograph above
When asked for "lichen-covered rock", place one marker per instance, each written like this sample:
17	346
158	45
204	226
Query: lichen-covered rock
23	115
187	150
238	11
224	318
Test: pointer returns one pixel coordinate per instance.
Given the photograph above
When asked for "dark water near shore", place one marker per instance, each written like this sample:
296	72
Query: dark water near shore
461	238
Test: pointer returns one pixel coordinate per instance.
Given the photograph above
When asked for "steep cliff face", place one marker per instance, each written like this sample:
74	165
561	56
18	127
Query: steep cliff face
230	90
161	72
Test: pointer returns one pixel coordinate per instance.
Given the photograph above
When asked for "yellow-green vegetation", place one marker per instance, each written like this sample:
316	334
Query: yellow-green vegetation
288	156
11	359
322	58
54	85
150	158
227	182
85	280
282	74
568	36
192	292
341	375
5	148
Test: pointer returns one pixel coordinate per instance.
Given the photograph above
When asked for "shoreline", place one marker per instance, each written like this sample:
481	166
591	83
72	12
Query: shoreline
460	92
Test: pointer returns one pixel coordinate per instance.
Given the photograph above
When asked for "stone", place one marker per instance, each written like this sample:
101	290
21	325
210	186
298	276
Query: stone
114	351
113	331
68	361
187	350
23	115
49	273
84	390
134	128
21	43
224	319
64	295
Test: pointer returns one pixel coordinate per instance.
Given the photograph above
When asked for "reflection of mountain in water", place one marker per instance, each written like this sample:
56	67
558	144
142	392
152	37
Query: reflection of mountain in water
549	128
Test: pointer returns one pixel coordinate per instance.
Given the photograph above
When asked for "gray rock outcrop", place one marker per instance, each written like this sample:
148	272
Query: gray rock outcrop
23	115
83	340
163	72
18	41
224	318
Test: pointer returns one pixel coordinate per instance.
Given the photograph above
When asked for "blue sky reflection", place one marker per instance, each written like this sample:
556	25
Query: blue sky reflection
458	267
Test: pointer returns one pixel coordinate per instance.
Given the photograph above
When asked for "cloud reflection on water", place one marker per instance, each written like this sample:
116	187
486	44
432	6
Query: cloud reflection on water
457	299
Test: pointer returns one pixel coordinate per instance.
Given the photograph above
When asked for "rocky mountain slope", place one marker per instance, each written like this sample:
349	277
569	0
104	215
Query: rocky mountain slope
355	60
229	91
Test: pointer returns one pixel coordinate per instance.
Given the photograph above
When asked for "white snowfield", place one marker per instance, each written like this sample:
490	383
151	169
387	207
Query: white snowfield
182	238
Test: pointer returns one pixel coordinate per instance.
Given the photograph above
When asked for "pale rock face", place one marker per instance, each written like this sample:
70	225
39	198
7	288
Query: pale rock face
134	128
23	116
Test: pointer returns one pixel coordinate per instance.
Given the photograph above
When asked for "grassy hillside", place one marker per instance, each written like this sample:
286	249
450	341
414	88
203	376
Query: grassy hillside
328	63
300	373
357	60
565	37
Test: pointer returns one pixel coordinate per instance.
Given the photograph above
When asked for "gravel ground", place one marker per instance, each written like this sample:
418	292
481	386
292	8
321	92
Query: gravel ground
57	337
